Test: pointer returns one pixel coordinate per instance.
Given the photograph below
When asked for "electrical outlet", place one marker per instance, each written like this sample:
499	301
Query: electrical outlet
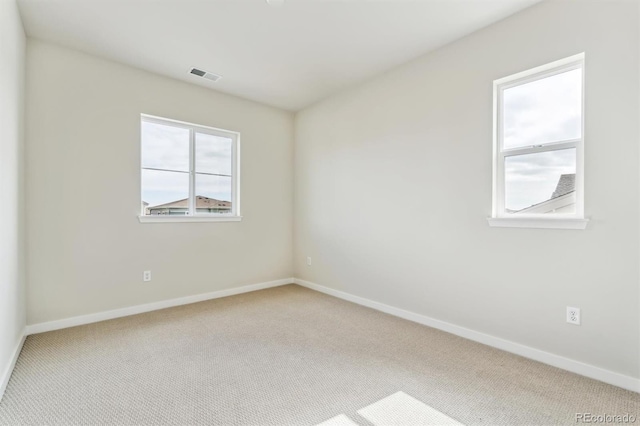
308	261
146	276
573	315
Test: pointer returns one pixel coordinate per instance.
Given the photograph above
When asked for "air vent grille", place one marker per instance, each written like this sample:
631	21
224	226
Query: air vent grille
205	74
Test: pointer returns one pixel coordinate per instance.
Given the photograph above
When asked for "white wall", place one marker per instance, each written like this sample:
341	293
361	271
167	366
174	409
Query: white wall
393	187
86	248
12	293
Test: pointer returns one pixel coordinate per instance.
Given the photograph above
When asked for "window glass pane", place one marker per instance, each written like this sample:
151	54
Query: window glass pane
543	111
213	194
213	154
165	147
543	182
165	193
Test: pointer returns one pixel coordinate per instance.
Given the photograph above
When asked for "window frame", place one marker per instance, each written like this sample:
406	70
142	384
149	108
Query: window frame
499	216
192	215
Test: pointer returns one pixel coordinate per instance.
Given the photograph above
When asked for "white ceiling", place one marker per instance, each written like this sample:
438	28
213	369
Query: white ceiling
288	56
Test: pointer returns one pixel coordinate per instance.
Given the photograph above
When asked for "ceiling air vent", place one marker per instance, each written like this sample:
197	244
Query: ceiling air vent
204	74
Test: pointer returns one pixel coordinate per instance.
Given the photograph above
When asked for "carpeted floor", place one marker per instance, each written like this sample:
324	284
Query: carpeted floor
285	356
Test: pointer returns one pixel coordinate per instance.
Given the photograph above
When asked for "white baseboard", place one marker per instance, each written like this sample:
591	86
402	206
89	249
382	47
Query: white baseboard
6	374
148	307
597	373
593	372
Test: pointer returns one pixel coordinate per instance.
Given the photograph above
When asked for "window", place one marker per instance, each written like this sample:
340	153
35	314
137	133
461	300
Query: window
538	147
188	172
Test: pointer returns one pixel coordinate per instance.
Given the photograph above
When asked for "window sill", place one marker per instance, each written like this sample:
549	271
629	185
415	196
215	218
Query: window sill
187	219
536	222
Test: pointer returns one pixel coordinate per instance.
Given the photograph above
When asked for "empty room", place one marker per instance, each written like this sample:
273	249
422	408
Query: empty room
319	212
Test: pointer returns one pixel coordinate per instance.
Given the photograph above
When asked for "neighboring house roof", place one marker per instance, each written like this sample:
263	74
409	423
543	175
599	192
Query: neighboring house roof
552	205
564	195
201	203
566	184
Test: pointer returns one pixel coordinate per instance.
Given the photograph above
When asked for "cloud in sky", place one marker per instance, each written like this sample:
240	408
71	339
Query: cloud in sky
543	111
165	147
213	154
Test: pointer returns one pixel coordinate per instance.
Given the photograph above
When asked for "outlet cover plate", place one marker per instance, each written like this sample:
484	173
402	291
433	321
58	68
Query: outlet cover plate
573	315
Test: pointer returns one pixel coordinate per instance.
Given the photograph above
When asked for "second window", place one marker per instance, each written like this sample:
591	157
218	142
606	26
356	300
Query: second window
539	142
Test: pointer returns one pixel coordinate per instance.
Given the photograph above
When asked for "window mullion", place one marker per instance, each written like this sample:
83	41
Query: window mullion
164	170
540	148
192	172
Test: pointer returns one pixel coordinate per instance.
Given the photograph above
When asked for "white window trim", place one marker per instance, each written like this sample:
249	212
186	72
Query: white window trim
191	219
538	222
234	216
549	221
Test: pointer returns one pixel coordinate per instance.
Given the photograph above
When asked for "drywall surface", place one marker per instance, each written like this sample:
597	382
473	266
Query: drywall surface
393	187
86	248
12	292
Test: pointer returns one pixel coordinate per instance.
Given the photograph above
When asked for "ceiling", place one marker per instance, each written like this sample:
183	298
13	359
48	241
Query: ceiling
289	56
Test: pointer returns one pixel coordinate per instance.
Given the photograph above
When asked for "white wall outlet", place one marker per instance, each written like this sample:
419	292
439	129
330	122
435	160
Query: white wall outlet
146	275
308	261
573	315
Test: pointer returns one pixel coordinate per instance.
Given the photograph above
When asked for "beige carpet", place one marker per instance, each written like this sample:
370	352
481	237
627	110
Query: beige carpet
285	356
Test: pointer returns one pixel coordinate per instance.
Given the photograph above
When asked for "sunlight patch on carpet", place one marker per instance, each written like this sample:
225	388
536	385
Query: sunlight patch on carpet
340	420
404	410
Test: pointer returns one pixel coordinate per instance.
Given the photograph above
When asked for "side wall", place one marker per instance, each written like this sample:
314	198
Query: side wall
12	277
393	188
86	248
